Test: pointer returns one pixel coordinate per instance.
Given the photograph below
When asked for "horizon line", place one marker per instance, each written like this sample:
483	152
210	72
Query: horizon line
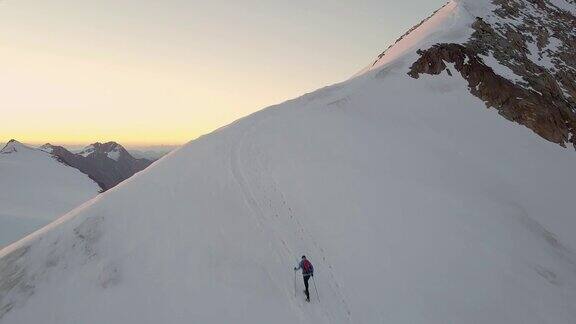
83	143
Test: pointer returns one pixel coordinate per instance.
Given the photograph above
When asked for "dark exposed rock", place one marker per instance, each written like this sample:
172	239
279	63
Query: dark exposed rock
518	35
107	164
539	111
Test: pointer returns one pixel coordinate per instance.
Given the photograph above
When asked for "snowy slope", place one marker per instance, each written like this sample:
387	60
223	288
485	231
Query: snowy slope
449	23
415	203
35	189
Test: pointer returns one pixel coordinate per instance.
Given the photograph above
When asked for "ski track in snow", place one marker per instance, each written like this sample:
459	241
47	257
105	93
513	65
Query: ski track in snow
266	219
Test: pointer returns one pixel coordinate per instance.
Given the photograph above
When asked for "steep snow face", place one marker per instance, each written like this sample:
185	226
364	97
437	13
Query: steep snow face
410	213
451	23
114	153
518	56
36	189
520	59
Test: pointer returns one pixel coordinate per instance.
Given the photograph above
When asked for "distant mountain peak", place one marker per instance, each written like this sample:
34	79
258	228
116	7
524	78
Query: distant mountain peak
13	146
48	148
112	149
87	150
106	163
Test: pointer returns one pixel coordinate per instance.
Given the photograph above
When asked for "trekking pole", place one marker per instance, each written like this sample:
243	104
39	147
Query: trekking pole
294	283
317	295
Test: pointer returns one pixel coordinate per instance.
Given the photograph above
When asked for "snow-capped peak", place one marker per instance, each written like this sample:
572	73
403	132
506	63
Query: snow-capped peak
517	56
48	148
450	22
111	149
13	146
87	150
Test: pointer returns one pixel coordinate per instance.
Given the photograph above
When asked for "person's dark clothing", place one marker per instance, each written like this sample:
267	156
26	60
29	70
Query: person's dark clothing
306	266
307	272
306	278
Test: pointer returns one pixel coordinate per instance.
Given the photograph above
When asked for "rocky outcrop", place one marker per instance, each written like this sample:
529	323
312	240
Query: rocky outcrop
536	41
107	164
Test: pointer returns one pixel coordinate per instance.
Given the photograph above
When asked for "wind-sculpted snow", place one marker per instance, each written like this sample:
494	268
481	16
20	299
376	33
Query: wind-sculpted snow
409	212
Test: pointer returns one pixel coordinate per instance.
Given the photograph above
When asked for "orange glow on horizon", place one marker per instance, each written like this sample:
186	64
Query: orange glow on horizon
166	73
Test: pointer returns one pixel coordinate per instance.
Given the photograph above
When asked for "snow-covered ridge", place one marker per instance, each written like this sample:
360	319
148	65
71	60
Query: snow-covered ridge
534	48
12	146
35	189
415	204
529	45
22	170
48	148
450	22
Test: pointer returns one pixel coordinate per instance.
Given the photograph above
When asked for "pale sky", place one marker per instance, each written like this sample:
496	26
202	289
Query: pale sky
150	72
